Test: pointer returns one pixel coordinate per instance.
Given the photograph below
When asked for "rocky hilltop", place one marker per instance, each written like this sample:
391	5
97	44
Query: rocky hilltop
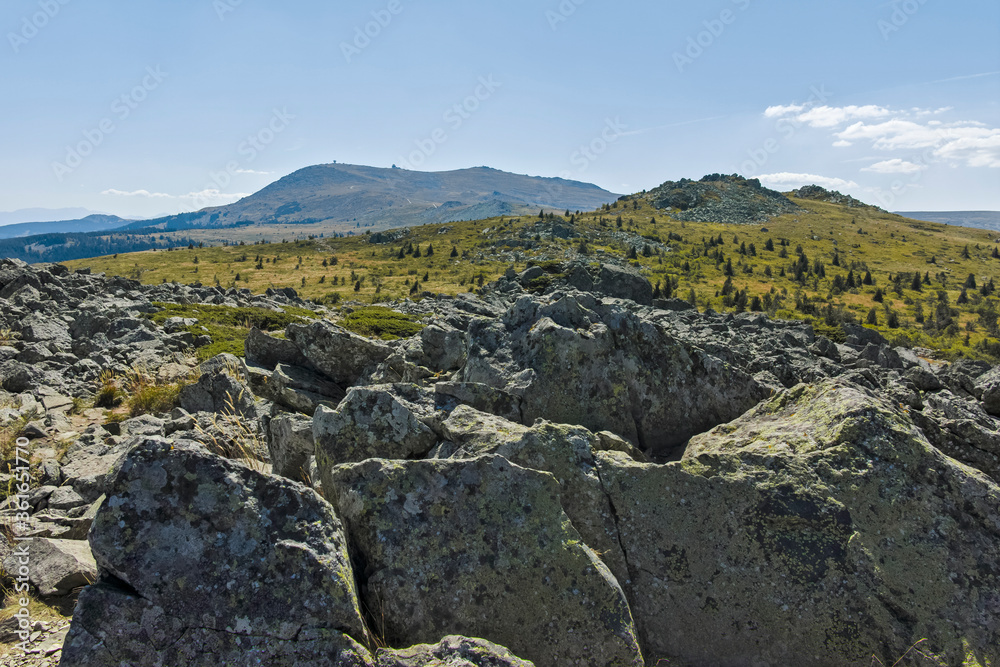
576	474
718	198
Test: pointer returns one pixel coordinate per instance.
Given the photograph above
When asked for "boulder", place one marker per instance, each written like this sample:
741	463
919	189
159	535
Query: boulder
442	346
200	553
567	452
222	388
291	445
481	548
339	354
268	351
482	397
370	422
450	652
573	360
55	567
819	528
299	389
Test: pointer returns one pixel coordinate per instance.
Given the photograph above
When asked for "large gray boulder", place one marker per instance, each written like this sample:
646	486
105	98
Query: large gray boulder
481	548
567	452
371	422
336	352
201	549
573	360
821	528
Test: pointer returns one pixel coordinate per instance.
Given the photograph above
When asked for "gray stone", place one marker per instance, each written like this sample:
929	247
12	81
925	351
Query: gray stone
369	423
819	527
302	390
222	556
55	567
64	498
291	445
336	352
448	552
268	351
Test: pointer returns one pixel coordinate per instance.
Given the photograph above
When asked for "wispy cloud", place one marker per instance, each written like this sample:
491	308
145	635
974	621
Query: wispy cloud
137	193
253	171
791	180
895	166
210	194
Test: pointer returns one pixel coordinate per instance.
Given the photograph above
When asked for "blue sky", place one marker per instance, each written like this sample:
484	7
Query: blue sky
145	107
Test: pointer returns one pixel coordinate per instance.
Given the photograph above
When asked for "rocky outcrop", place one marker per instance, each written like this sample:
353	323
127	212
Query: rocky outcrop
820	528
481	548
809	502
573	359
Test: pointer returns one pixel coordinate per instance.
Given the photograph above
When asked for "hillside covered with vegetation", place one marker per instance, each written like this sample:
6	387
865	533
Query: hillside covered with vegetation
921	284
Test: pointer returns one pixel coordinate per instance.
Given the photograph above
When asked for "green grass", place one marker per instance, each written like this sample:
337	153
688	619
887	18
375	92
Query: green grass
381	322
861	240
228	327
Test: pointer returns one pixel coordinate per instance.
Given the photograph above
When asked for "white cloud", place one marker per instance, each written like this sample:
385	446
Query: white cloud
832	116
137	193
826	116
254	171
791	180
842	144
895	166
780	111
967	142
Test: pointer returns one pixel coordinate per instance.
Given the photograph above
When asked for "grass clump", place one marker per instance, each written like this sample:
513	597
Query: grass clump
227	326
381	322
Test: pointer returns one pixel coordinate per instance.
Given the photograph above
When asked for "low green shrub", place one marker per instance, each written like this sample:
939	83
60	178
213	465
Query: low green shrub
381	322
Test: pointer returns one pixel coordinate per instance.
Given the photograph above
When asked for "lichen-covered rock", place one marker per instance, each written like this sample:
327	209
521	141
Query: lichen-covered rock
481	548
218	551
574	360
291	445
268	351
821	528
450	652
339	354
369	423
222	388
482	397
567	452
113	627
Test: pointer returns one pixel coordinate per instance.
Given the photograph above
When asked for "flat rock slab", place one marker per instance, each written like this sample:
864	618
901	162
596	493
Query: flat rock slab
481	548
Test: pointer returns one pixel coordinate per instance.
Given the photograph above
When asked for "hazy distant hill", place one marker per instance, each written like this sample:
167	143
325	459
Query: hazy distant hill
376	198
92	223
979	219
43	215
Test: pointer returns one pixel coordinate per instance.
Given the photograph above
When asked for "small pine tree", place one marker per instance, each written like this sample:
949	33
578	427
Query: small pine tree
454	251
872	318
430	250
